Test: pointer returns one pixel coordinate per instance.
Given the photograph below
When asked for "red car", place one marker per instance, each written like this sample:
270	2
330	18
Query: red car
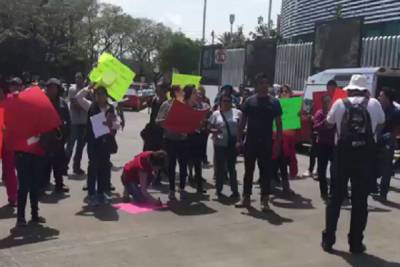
138	97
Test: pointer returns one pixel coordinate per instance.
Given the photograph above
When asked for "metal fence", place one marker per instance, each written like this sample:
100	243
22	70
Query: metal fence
293	62
233	68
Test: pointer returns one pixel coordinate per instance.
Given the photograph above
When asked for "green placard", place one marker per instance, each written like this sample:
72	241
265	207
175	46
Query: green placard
184	79
113	75
291	107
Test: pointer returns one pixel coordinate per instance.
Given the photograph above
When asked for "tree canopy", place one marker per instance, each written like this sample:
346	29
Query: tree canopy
60	37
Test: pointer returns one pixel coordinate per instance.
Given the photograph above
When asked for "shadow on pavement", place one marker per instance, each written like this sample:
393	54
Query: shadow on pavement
77	177
29	235
364	260
295	201
7	212
370	209
53	198
191	205
390	204
104	213
272	217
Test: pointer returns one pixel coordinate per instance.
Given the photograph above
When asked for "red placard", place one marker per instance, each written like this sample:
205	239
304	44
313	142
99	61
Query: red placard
184	119
317	100
27	114
1	130
339	94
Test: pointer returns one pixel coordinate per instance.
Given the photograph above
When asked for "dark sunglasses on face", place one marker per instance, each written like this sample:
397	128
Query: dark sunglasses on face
226	101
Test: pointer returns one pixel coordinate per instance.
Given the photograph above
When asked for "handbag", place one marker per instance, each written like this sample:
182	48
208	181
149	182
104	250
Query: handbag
111	144
231	139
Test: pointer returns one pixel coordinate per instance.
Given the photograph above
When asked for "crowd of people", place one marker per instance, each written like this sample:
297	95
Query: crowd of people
350	135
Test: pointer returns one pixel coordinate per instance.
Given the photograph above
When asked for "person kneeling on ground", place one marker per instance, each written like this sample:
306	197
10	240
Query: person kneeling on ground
139	173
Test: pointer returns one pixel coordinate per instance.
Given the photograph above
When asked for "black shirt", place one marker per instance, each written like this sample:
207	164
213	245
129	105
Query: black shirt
261	113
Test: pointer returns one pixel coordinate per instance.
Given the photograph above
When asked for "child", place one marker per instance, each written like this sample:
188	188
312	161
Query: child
139	173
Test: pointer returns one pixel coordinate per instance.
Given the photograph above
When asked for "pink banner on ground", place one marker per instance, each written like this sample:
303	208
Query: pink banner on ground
184	119
137	209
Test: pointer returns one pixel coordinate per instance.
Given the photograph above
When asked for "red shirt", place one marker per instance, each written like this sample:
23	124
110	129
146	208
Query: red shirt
140	163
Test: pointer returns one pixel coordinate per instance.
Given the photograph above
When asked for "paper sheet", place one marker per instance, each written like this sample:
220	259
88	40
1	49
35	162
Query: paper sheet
99	129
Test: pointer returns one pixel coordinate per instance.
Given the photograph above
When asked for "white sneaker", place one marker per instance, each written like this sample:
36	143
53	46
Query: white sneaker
307	174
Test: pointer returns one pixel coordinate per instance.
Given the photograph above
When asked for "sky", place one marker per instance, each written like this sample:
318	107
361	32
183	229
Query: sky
187	15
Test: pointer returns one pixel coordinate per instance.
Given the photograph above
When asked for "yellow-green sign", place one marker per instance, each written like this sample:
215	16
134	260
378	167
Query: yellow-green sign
184	79
113	75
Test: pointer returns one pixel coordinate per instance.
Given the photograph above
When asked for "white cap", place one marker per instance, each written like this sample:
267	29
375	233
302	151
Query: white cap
357	82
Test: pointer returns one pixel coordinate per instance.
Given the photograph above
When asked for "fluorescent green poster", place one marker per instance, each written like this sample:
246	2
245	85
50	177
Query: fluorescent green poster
184	79
113	75
291	107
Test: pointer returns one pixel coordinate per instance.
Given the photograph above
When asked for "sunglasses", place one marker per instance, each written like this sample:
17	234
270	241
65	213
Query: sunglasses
226	101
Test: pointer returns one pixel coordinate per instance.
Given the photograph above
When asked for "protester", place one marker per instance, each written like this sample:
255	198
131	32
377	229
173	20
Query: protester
99	149
78	126
195	142
7	155
357	119
324	144
226	90
259	113
55	159
29	162
152	134
139	173
224	127
387	140
289	137
331	87
205	102
175	145
8	165
287	156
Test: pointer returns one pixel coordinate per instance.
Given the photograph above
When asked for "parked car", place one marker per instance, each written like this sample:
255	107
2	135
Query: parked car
138	97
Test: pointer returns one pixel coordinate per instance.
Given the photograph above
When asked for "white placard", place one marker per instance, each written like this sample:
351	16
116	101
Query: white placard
99	129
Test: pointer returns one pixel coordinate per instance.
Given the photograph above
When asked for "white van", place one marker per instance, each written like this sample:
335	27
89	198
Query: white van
377	78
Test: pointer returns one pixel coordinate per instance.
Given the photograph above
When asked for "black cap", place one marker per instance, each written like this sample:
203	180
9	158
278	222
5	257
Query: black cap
54	81
15	81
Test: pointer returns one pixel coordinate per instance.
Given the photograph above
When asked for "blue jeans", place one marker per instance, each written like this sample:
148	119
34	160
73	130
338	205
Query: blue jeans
134	190
77	136
386	156
225	163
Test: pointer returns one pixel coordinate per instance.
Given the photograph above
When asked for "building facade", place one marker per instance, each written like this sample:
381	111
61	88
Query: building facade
298	17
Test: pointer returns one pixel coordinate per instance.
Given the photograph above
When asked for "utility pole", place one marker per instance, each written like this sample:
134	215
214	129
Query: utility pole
212	37
204	22
232	21
269	18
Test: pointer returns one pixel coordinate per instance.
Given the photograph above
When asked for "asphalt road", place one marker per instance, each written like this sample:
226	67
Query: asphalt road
195	232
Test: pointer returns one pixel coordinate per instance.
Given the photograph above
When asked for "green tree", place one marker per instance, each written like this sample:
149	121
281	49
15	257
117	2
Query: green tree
261	31
182	54
235	40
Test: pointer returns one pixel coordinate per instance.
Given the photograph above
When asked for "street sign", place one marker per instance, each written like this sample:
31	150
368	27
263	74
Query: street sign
220	56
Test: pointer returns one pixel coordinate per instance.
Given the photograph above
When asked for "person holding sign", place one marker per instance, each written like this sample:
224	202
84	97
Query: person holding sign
195	139
260	111
100	145
287	156
175	144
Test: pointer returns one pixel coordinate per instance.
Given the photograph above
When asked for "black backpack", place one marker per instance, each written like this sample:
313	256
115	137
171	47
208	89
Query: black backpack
356	129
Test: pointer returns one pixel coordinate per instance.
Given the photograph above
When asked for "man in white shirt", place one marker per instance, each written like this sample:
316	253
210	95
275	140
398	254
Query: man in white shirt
357	119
